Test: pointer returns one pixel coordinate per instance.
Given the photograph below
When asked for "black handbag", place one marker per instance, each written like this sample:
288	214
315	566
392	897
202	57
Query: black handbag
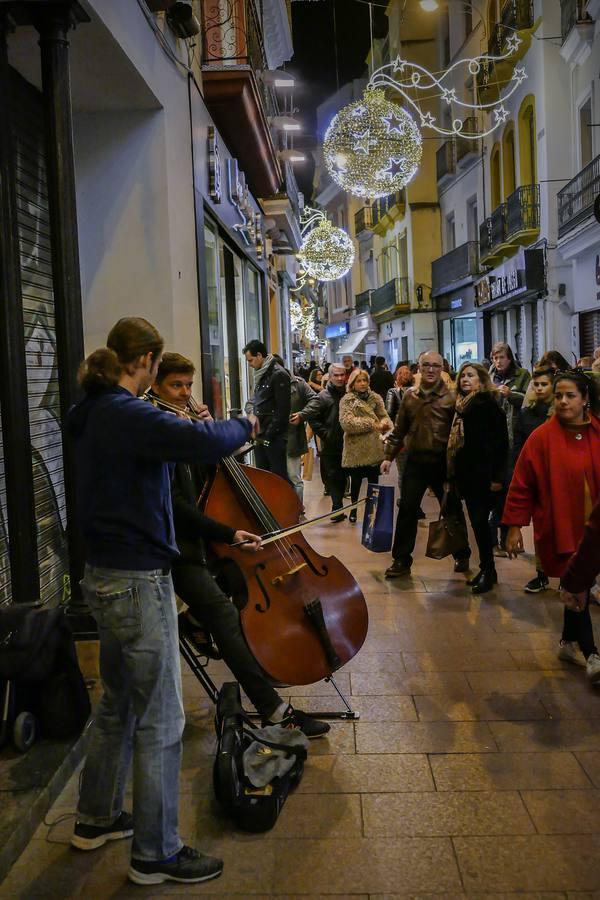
252	809
448	535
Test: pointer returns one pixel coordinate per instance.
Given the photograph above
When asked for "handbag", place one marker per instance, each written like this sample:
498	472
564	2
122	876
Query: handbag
308	464
378	522
448	535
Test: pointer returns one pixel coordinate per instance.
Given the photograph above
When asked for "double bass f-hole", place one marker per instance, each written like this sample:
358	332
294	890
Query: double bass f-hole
257	606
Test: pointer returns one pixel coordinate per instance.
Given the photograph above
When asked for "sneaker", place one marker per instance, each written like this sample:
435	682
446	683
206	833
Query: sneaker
90	837
295	718
569	651
187	866
593	668
500	551
353	517
537	584
397	570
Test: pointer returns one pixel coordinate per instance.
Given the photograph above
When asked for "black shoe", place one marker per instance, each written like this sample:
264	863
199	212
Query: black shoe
461	565
295	718
339	518
397	569
90	837
353	516
485	581
537	585
198	636
187	866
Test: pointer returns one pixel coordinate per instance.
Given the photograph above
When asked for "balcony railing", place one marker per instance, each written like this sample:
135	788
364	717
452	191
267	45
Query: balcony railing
390	297
455	265
383	205
363	220
445	159
499	225
485	238
571	12
465	145
232	35
515	15
362	302
523	210
576	199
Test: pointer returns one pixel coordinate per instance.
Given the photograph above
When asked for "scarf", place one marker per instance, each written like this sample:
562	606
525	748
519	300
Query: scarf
456	441
260	373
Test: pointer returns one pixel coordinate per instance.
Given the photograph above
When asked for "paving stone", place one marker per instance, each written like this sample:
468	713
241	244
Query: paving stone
572	734
522	682
534	863
459	661
424	737
507	771
371	709
584	705
590	760
564	812
366	773
423	683
438	707
431	814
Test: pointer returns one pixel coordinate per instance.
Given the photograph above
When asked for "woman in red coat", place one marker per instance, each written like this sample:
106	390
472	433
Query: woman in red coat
556	483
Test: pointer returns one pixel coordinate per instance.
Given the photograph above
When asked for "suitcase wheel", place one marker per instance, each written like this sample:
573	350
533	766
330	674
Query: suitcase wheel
24	731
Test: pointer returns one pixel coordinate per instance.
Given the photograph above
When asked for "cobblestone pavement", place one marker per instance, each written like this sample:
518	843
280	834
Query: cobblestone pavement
474	770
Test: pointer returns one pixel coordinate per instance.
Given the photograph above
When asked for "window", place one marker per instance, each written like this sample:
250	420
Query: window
450	233
403	248
495	175
585	132
527	141
508	160
472	220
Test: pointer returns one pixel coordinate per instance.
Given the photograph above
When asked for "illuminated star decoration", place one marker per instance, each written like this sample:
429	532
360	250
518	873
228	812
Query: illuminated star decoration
512	44
519	74
394	123
398	64
501	114
449	95
396	167
427	119
362	142
359	111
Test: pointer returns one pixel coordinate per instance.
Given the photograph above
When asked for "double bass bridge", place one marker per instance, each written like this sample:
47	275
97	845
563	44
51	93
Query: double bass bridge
279	579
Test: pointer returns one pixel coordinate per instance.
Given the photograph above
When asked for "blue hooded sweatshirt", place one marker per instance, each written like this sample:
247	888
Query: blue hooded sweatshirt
123	447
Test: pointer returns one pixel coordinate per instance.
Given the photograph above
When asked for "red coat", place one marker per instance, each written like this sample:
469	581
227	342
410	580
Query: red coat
548	486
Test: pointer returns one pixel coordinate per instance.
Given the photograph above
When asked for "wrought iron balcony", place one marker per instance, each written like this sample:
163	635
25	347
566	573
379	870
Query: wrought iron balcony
363	222
455	265
485	239
362	302
392	297
576	199
232	35
464	145
385	209
571	12
515	16
523	213
499	225
445	160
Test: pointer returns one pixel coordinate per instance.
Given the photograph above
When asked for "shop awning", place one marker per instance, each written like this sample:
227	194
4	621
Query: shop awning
352	342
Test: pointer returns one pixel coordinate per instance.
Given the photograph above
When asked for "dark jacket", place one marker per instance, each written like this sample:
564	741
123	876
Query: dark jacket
301	394
323	415
272	402
381	381
192	528
483	457
517	380
422	424
393	401
529	418
122	449
584	565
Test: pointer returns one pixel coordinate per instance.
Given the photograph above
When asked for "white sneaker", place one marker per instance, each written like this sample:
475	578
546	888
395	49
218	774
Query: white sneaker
569	651
593	668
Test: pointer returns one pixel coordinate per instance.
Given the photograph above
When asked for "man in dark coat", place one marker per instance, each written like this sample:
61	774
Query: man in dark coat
323	415
297	445
381	379
271	404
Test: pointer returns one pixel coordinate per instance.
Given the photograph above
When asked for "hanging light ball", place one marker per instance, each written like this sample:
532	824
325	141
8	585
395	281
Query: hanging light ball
372	147
327	253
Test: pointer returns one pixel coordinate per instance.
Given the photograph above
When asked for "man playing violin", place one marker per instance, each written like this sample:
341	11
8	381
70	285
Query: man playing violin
192	578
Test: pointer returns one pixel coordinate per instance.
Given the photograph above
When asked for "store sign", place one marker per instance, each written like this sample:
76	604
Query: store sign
214	165
456	303
337	329
525	275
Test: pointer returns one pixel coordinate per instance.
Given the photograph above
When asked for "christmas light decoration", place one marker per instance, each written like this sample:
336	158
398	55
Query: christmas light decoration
302	319
373	146
327	253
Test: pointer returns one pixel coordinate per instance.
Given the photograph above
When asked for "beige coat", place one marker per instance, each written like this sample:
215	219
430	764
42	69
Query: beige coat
363	445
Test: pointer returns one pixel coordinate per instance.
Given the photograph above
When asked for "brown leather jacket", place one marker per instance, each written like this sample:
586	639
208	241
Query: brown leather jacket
423	423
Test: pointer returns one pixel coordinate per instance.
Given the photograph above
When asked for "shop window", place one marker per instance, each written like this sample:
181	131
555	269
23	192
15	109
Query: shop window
508	160
527	141
496	189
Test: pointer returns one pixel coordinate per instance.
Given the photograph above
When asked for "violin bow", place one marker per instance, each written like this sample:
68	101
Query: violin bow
271	536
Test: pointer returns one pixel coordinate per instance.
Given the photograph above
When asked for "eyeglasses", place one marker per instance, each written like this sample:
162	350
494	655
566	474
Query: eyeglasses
430	365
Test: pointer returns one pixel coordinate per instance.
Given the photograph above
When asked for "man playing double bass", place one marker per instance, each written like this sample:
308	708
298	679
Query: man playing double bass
192	579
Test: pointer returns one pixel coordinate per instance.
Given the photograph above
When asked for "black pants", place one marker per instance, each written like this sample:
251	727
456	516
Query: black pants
357	474
274	457
578	628
418	476
479	504
334	477
207	602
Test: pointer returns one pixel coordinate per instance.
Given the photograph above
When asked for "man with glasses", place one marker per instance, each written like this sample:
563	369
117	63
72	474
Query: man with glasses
423	427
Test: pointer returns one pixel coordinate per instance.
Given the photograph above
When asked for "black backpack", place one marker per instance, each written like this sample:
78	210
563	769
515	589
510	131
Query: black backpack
252	809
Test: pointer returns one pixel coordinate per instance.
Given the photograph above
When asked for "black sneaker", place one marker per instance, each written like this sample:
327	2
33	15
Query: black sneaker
397	569
187	867
537	585
295	718
90	837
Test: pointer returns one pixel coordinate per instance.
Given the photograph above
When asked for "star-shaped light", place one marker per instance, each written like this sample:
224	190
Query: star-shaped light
519	74
359	111
318	244
399	64
449	95
362	142
501	114
512	43
394	124
397	166
427	119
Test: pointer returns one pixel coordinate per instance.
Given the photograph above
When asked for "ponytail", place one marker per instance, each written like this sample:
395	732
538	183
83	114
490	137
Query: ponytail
100	370
129	339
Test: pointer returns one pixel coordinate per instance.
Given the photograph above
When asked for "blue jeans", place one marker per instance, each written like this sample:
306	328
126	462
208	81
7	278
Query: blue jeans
141	712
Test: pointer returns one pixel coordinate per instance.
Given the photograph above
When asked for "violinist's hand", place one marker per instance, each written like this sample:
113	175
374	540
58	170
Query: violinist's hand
254	541
514	542
255	424
576	602
385	466
204	413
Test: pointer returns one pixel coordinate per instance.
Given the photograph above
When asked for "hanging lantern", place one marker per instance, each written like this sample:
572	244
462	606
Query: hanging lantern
372	147
327	253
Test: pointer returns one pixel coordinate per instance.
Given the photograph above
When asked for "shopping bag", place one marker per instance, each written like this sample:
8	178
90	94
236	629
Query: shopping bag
446	536
378	522
308	464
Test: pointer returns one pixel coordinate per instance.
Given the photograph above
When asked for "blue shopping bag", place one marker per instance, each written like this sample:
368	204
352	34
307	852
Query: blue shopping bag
378	522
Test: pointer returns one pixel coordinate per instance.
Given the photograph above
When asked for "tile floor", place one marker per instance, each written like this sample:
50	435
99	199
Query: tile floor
474	770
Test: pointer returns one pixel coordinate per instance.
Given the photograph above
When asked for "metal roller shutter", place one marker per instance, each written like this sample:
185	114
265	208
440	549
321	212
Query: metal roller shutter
589	332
